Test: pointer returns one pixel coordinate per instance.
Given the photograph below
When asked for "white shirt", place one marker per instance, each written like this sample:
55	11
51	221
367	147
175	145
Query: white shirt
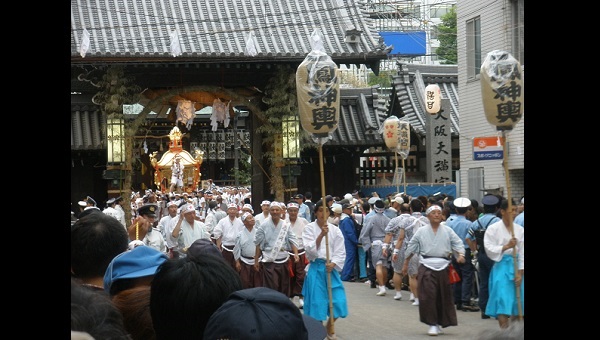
155	240
163	225
187	234
335	238
496	236
228	230
298	227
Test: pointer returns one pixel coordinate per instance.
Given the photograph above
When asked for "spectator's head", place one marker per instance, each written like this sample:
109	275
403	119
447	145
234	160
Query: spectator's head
261	313
416	205
379	206
134	304
132	268
490	204
93	312
347	208
337	208
186	291
366	207
461	205
95	240
405	208
89	210
202	247
372	201
213	205
424	201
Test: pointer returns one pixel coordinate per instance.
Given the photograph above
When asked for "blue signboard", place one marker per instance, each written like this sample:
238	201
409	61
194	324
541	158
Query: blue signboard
406	43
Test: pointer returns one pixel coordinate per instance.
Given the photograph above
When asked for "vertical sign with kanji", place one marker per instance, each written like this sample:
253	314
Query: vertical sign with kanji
439	145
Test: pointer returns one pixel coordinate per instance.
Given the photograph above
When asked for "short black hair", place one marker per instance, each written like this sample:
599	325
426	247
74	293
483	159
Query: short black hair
93	312
95	240
186	291
318	204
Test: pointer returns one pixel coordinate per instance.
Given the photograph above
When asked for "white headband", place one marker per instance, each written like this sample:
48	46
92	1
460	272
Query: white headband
245	215
432	208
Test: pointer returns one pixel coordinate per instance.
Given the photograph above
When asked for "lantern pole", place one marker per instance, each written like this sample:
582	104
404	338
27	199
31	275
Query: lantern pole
395	175
317	86
403	174
501	90
330	324
510	223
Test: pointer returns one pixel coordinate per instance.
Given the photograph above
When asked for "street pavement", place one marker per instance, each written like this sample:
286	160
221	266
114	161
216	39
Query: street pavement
381	317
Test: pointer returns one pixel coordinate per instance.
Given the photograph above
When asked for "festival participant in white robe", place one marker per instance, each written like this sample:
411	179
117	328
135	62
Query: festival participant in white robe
298	273
500	243
244	251
163	224
176	175
213	216
264	214
110	208
226	231
187	230
315	290
434	243
273	239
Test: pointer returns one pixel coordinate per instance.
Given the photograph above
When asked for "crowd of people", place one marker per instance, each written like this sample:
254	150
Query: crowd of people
210	249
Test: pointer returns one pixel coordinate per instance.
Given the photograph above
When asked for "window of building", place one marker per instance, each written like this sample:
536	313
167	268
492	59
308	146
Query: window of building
439	10
473	48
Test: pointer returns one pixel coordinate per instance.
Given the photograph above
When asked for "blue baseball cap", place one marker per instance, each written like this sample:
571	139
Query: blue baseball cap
139	262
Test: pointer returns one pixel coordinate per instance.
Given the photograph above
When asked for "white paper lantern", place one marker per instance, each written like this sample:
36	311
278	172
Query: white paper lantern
433	97
396	134
390	132
318	90
502	89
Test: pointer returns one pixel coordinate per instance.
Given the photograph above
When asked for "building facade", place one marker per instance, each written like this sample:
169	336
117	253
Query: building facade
484	27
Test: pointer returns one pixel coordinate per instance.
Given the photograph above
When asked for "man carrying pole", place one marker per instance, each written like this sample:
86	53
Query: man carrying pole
504	240
317	86
326	252
502	95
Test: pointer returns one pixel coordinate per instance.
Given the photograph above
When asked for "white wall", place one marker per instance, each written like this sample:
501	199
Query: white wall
495	35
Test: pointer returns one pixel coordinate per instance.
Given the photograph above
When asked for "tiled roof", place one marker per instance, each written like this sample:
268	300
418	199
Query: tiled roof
362	113
407	98
216	31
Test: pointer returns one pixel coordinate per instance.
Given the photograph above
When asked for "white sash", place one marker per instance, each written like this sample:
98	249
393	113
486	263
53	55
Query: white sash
280	238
